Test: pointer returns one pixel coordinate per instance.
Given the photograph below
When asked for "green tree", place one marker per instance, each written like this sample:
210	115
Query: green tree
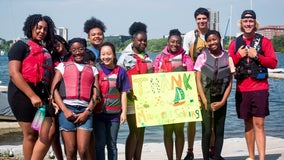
156	45
278	43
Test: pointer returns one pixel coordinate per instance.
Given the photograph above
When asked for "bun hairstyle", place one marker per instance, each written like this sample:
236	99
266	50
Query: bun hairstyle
79	40
174	32
94	23
137	27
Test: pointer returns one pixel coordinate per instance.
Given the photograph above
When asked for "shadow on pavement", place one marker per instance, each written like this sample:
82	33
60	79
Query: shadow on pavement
267	157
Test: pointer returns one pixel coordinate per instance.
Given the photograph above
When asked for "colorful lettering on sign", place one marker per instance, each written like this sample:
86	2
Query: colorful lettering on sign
165	98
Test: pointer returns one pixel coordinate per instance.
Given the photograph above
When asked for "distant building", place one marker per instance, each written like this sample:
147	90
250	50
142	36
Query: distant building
213	19
63	32
271	31
122	38
1	41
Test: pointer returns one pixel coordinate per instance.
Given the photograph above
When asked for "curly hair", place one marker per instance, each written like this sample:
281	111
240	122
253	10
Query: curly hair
174	32
93	23
33	20
137	27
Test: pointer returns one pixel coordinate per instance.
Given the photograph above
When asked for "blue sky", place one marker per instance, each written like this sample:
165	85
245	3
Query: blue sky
159	15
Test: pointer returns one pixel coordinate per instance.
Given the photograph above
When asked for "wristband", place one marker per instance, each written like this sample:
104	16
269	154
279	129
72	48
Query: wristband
255	57
89	110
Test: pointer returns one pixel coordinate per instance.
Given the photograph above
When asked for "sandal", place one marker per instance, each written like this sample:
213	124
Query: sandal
249	158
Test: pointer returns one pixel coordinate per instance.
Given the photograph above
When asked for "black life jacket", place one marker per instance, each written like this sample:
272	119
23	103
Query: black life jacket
249	67
215	74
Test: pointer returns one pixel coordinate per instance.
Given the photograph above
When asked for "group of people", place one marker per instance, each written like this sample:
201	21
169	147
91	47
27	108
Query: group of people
88	91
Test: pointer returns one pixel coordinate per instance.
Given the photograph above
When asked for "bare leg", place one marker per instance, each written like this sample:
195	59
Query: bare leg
56	145
260	136
29	140
83	143
134	141
70	144
179	142
140	140
92	150
46	135
191	129
250	137
168	140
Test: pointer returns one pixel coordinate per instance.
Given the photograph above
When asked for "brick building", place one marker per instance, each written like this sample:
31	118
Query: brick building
271	31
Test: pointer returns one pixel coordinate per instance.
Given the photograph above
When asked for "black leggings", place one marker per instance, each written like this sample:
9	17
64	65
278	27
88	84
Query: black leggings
219	126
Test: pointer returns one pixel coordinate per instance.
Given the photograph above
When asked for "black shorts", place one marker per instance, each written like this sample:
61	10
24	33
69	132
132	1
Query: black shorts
22	107
252	104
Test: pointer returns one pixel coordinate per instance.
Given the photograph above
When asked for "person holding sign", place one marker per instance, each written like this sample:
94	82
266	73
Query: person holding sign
136	61
214	68
173	59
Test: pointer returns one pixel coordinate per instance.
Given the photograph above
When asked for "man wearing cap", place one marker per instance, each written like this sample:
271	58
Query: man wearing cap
252	54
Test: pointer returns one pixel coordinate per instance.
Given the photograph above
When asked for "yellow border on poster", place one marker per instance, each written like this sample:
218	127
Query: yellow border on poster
165	98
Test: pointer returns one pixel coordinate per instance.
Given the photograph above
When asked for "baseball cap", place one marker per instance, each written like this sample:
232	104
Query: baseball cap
251	12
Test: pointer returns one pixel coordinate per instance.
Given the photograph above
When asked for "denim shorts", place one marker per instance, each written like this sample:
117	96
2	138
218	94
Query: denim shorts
66	125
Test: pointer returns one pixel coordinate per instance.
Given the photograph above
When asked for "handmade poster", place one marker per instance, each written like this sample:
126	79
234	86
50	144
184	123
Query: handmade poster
165	98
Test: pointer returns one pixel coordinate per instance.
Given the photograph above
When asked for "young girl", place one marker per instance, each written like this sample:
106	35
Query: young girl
136	61
214	69
60	51
76	82
30	71
110	112
173	59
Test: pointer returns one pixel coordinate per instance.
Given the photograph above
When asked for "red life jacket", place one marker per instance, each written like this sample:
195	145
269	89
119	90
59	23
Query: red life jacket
37	66
173	64
76	84
110	95
142	66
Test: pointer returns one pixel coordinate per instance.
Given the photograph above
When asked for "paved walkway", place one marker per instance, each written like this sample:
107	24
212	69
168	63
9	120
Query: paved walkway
233	149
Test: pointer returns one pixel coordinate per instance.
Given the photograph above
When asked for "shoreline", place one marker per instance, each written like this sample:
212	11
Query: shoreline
233	149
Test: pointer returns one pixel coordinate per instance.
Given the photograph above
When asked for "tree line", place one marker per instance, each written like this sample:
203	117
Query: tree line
157	45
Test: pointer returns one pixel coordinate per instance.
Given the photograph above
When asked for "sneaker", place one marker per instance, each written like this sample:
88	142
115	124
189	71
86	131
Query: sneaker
189	156
211	152
213	158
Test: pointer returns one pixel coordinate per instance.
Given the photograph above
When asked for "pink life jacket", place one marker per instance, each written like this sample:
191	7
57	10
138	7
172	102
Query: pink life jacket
76	84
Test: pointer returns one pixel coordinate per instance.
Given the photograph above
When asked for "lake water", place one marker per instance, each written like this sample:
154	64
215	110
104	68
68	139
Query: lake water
274	124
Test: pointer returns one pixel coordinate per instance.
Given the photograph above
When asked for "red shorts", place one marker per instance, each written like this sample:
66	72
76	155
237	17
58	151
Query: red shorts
252	104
